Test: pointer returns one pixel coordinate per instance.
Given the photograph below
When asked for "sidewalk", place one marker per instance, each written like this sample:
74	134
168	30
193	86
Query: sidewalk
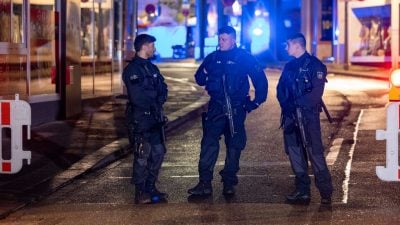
64	150
352	70
358	70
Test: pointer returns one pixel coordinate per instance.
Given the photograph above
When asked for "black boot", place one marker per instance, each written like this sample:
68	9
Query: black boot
141	196
298	197
202	188
326	200
155	194
228	189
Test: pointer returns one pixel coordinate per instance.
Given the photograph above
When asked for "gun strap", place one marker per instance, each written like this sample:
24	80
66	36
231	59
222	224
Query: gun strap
307	61
324	108
326	111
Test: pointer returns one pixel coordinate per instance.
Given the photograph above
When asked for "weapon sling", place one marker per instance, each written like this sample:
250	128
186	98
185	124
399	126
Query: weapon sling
161	112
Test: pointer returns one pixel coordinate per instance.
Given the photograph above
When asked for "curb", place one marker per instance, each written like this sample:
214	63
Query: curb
381	75
108	154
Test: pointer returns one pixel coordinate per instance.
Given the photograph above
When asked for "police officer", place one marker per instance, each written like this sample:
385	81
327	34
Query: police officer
147	92
224	73
299	92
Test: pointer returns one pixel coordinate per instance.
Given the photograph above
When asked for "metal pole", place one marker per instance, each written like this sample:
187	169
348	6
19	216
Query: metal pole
63	58
202	26
395	33
93	19
335	41
346	39
315	22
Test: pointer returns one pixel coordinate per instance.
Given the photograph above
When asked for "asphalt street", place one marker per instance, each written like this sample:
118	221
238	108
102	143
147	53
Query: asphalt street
357	106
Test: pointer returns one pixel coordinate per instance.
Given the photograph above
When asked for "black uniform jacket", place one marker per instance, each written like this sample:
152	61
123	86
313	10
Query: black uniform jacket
147	91
302	83
238	65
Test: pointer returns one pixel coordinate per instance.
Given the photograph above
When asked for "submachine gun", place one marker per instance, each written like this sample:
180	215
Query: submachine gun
163	122
299	118
228	106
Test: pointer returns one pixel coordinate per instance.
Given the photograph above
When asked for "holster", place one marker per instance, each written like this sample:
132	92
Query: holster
138	149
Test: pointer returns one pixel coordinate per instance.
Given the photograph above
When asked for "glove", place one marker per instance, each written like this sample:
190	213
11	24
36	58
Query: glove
250	105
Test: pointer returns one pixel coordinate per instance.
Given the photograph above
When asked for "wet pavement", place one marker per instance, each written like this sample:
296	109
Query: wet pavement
64	150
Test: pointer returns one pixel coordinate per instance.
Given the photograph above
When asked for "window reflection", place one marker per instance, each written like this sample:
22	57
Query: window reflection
5	20
12	76
42	48
96	54
18	29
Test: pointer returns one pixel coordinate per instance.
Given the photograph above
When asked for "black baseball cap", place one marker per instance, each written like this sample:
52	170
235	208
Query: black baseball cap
142	39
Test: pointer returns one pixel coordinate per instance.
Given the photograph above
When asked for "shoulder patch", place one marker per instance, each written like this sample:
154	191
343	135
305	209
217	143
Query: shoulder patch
320	75
133	77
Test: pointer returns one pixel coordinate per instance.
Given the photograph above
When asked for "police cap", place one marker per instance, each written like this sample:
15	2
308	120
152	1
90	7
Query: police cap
142	39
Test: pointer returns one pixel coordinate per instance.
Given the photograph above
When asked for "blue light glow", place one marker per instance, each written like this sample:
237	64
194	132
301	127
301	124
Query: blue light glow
260	35
167	36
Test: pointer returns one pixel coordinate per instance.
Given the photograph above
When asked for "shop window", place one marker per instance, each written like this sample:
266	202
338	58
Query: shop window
13	60
12	21
96	29
42	40
97	47
18	23
12	76
5	20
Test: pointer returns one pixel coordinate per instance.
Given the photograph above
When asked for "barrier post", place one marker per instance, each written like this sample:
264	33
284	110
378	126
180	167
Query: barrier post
392	171
15	114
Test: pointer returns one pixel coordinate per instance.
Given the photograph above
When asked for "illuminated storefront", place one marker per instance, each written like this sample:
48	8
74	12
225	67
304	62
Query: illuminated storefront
364	32
101	38
188	28
54	55
369	32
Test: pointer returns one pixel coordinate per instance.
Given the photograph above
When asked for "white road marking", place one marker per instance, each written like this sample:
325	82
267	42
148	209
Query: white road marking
345	185
182	80
334	151
239	175
222	163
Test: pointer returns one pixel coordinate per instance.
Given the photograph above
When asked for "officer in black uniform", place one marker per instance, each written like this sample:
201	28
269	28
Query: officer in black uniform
299	93
224	73
147	92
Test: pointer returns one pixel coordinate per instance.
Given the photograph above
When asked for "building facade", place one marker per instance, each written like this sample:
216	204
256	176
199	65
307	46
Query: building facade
54	53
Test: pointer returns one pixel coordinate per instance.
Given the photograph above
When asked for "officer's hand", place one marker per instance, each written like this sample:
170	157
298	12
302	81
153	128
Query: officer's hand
250	106
205	71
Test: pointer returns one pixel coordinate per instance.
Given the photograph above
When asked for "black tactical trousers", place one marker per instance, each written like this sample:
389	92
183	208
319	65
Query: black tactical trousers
215	123
147	160
299	156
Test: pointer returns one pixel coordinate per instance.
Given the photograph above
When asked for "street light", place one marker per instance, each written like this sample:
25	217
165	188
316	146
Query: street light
394	93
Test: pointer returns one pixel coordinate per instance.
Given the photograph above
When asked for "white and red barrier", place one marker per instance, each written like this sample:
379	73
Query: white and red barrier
392	170
15	114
